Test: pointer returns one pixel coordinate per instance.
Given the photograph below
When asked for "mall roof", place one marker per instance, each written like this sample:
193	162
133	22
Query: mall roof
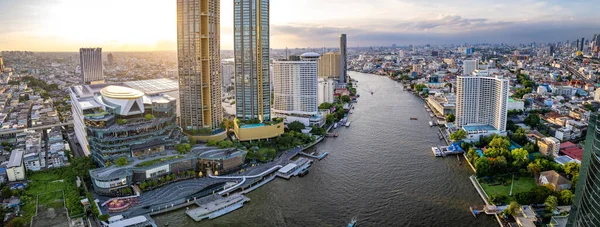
120	92
153	86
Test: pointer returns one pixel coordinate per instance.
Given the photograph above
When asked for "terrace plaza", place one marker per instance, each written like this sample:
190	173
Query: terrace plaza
108	180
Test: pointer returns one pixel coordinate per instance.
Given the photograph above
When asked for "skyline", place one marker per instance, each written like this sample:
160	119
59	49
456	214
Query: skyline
136	25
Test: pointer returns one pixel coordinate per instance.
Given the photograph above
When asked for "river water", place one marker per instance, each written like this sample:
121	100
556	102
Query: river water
380	169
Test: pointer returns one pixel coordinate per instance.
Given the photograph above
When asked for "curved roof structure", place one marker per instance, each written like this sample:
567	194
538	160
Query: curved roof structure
120	92
310	55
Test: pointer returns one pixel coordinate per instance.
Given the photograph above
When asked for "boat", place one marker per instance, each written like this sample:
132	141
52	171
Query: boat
436	151
352	222
347	124
303	172
430	124
413	118
335	125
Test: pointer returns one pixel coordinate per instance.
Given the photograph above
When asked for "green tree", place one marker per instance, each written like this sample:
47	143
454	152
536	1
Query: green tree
121	121
225	144
532	120
148	117
513	208
318	131
211	142
345	98
121	161
329	119
450	118
183	148
500	142
520	136
534	168
566	197
6	192
519	156
551	203
103	217
296	126
458	135
325	105
571	168
483	167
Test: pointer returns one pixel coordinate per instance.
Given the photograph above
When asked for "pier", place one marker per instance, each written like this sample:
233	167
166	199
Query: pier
319	157
444	151
217	208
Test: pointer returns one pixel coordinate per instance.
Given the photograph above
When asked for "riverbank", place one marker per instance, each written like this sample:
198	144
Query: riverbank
382	149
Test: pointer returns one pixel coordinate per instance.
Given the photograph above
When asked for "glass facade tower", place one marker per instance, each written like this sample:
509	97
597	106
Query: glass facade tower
251	47
586	205
198	59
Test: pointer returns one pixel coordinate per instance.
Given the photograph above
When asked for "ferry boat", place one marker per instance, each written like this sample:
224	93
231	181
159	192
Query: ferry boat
352	222
217	208
413	118
347	124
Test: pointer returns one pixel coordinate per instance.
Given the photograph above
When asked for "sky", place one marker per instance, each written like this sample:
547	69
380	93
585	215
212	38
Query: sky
150	25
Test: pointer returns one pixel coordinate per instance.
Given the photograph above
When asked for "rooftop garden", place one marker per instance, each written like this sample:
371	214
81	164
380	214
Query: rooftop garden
158	160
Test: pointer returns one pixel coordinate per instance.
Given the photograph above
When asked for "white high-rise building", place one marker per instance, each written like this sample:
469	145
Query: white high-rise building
295	85
482	100
326	90
91	65
469	66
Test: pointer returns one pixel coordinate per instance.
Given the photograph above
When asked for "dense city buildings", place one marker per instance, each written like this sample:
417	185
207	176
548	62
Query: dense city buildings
481	99
91	65
343	59
112	121
584	212
251	47
198	50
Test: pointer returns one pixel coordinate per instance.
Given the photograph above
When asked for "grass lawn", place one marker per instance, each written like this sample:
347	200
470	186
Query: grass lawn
521	184
47	186
158	160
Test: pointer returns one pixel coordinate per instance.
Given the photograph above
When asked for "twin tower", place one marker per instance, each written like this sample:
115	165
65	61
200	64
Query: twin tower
198	52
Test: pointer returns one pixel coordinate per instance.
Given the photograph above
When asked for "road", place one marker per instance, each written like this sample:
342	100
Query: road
35	128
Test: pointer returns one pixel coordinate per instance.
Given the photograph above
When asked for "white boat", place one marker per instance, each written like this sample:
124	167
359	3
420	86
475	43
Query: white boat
436	151
348	124
430	124
335	125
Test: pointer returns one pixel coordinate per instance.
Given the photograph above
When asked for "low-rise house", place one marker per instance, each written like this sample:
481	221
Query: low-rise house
553	179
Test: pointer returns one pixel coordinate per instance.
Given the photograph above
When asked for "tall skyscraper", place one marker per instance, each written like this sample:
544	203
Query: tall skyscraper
343	59
329	65
469	66
251	50
481	100
90	60
326	90
584	211
596	43
198	60
296	85
110	59
1	65
582	44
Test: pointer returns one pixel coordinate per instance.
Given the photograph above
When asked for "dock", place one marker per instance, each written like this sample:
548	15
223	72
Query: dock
443	151
319	157
217	208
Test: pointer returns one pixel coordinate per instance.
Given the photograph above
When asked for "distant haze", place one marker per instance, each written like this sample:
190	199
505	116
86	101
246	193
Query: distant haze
149	25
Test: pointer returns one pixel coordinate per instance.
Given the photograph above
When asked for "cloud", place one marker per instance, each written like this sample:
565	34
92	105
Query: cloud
444	29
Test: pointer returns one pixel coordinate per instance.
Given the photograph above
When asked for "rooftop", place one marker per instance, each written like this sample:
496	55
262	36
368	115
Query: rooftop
479	128
120	92
16	158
